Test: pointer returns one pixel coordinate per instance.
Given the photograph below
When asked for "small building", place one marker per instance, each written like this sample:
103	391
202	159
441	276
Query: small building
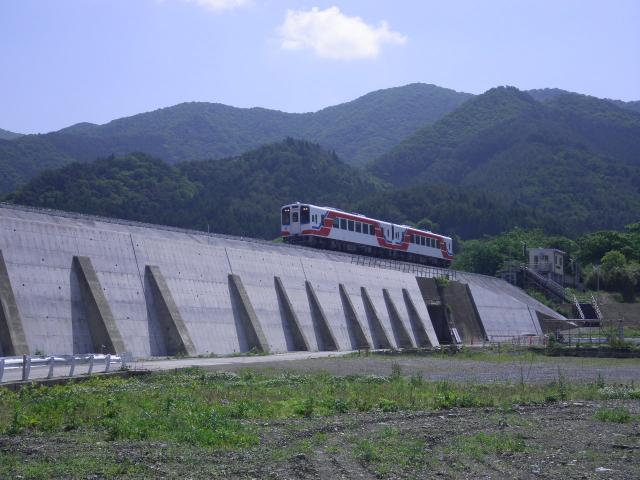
548	262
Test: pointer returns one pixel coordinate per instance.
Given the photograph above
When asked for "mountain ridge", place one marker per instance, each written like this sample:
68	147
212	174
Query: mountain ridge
575	156
358	130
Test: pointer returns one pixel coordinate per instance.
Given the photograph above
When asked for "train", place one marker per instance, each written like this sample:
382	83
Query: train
334	229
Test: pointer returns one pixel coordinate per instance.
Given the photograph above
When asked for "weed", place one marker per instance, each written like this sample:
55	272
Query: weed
305	408
396	371
482	444
614	415
388	405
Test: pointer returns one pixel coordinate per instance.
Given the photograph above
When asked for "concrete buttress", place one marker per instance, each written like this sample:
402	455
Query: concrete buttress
298	339
403	339
378	332
356	333
176	334
12	337
253	333
324	335
417	325
104	332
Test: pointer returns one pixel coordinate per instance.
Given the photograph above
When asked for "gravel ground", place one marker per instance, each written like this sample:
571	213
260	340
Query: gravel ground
562	440
541	369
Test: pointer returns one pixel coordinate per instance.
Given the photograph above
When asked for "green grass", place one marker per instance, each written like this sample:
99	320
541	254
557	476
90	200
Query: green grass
614	415
389	451
223	410
65	466
481	444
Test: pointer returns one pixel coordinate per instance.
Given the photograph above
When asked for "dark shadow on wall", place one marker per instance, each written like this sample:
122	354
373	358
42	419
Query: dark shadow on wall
82	341
157	333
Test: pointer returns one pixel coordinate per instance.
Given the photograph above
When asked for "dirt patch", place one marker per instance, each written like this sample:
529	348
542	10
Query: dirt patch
562	440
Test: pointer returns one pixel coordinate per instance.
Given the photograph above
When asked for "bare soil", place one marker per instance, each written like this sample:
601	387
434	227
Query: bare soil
562	440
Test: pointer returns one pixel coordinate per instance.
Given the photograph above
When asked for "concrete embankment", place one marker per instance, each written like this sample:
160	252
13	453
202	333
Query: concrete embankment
78	284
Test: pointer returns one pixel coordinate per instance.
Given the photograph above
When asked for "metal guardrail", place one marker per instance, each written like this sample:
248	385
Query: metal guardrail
27	363
518	340
406	267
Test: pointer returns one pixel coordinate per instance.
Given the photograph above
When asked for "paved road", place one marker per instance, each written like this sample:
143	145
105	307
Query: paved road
15	374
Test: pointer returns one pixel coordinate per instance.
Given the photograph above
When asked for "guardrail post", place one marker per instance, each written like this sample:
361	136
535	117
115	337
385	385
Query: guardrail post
26	367
1	369
51	364
90	365
72	368
107	363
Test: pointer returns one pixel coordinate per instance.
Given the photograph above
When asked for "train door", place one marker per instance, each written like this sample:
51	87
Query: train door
295	220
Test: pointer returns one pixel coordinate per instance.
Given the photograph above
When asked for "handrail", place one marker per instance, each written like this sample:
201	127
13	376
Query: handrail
576	302
549	284
413	268
596	307
26	363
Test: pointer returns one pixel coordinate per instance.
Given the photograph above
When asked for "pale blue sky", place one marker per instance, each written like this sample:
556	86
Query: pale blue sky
66	61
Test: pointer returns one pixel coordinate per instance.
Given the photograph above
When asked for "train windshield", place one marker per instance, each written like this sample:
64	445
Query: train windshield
304	214
286	216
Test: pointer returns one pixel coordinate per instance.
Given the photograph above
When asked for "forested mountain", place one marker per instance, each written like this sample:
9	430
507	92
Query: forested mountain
357	131
238	195
7	135
573	157
544	94
565	162
242	195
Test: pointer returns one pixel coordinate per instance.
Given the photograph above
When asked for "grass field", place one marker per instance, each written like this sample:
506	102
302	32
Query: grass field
199	412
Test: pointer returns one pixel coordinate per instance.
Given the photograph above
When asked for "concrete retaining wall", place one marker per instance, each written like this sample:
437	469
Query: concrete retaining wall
217	294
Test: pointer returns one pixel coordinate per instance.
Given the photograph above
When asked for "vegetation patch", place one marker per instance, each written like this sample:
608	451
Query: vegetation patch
217	409
614	415
389	450
481	444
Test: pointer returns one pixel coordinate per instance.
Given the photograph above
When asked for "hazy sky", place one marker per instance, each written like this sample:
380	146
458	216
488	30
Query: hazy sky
66	61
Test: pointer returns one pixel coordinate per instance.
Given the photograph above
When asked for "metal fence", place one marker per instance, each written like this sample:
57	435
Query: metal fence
413	268
518	340
29	367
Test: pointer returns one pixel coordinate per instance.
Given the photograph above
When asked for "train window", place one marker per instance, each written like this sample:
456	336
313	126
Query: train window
294	217
423	241
304	214
351	226
286	216
372	230
343	224
336	223
358	227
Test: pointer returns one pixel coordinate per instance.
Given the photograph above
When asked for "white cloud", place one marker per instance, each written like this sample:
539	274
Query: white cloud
219	5
331	34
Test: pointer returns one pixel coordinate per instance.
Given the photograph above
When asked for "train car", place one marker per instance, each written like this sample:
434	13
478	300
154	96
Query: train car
334	229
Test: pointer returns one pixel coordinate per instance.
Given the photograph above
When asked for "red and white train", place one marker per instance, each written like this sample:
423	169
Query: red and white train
326	227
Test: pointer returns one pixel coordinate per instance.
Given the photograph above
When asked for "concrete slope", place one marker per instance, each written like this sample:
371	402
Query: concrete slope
217	293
